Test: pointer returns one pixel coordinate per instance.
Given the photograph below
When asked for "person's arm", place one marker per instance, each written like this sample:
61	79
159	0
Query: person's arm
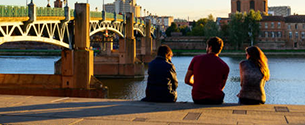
241	74
189	78
174	78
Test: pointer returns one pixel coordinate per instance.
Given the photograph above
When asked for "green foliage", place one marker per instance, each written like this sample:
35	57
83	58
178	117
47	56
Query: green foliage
211	29
184	30
244	28
198	30
172	28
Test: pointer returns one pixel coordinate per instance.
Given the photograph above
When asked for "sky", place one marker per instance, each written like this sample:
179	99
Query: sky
183	9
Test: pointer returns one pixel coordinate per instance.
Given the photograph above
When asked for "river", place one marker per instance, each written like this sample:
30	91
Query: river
286	85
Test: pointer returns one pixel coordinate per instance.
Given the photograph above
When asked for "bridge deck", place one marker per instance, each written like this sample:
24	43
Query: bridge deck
70	111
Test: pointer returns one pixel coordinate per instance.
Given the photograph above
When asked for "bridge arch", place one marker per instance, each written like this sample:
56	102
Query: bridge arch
51	32
101	26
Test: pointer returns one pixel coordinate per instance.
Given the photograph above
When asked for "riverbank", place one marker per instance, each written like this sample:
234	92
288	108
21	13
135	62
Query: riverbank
30	52
28	110
285	53
298	53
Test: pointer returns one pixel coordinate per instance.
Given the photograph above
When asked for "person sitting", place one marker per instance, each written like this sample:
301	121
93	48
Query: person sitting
254	73
162	78
207	74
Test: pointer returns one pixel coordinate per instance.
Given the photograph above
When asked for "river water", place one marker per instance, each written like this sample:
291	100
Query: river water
286	86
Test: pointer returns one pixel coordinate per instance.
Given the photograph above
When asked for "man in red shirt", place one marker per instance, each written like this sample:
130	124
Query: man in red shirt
208	74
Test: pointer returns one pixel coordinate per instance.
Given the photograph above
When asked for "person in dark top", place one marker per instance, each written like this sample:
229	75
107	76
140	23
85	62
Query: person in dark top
254	73
162	78
208	74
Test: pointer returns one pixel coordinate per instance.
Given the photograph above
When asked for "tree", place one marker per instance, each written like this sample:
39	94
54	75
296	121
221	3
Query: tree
252	24
198	30
172	28
244	27
184	30
237	31
211	28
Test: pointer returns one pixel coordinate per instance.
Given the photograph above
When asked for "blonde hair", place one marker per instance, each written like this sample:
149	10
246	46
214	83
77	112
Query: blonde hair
258	57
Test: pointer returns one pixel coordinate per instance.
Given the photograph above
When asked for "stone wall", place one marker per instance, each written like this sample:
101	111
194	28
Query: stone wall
199	43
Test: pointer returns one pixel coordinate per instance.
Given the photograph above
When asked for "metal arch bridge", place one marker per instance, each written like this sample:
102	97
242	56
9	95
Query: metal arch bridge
53	25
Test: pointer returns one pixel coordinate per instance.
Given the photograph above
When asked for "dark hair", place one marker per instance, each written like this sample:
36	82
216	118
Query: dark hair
258	57
216	43
164	50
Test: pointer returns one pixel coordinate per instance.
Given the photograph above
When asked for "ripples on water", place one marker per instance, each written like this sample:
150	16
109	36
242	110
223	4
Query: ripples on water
286	85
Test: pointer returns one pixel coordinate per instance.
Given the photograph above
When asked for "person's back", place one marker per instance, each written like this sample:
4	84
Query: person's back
254	72
162	79
208	74
252	82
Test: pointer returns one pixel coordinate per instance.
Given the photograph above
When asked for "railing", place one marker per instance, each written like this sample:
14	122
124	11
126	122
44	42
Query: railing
96	14
71	13
13	11
120	17
109	15
50	12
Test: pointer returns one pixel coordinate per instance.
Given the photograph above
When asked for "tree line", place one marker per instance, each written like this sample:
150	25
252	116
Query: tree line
242	27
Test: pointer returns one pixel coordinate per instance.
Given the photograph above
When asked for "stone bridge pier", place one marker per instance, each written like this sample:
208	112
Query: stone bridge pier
124	63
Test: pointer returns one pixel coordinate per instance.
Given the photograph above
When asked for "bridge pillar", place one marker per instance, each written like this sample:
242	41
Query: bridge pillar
147	44
83	55
130	44
67	68
158	37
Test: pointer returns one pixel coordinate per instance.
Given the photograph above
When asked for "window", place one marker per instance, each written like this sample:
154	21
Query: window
272	24
296	26
252	5
266	34
290	35
279	34
266	25
260	25
238	6
303	35
279	25
303	26
265	5
289	27
272	34
296	35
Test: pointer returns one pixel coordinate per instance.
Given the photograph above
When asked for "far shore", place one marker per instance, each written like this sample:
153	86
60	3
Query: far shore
237	53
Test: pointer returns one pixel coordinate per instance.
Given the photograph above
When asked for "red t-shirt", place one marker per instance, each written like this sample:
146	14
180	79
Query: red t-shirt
210	75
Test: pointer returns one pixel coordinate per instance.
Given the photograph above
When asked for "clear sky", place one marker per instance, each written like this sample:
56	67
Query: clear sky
194	9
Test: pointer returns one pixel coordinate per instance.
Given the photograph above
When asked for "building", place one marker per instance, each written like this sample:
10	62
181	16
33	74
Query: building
58	4
272	32
247	5
280	11
123	6
182	22
295	31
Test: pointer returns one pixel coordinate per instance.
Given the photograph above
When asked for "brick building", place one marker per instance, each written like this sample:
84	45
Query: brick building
295	31
247	5
272	32
58	4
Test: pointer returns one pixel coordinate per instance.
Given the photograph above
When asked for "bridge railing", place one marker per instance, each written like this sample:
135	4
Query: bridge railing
120	17
109	15
50	12
13	11
94	14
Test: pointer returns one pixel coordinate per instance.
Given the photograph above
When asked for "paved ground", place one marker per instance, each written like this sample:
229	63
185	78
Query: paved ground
33	110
